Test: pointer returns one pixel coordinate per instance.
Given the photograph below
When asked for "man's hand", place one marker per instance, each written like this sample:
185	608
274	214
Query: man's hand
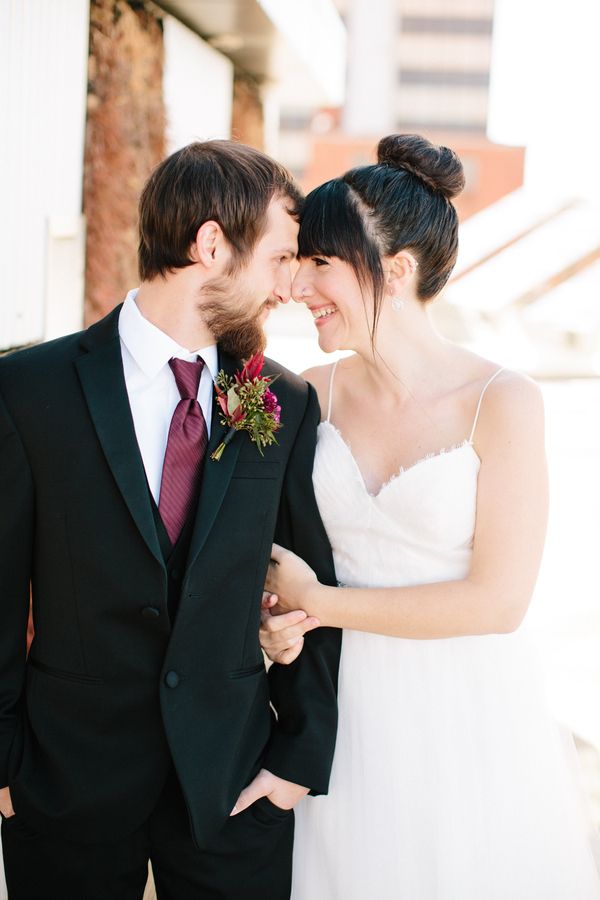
282	636
6	807
284	794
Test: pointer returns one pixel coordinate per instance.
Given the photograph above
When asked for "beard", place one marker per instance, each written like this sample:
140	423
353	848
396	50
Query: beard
237	332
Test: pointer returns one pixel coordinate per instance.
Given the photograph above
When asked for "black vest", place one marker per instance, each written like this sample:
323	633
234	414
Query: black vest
175	556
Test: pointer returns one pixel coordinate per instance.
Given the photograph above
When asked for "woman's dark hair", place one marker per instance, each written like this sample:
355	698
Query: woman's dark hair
229	183
401	203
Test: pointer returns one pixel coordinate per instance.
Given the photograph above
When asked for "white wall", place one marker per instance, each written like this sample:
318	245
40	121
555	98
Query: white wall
197	86
43	81
544	91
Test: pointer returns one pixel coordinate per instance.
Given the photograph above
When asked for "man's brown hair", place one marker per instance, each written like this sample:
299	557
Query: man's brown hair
229	183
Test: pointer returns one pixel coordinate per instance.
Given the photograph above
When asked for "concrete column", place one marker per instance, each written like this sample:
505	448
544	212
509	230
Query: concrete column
372	67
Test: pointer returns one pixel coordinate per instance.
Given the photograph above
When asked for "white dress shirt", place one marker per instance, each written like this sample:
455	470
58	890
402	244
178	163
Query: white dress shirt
153	393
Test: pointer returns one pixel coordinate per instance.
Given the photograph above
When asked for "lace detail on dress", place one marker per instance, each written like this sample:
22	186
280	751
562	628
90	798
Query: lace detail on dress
433	455
403	470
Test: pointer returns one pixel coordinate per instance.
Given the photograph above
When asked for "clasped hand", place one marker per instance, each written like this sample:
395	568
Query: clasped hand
284	621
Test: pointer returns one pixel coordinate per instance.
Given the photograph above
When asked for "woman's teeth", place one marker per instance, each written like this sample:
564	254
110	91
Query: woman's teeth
322	313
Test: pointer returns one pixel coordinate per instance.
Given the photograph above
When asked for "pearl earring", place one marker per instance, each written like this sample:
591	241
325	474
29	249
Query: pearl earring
397	304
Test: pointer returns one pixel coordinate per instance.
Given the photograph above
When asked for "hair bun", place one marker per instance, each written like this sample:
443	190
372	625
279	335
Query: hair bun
438	167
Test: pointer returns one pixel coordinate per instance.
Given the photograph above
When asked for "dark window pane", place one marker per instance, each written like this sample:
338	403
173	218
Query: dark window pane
295	121
441	25
463	79
437	125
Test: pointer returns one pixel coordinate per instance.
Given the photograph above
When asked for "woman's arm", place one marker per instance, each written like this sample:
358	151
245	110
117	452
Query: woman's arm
512	500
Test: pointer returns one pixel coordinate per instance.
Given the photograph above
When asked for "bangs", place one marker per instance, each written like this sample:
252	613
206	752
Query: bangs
335	223
331	225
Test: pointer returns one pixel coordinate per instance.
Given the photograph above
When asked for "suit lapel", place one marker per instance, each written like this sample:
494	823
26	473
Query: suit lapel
217	475
101	375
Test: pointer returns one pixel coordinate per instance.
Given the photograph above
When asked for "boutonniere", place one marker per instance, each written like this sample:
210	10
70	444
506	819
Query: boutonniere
246	403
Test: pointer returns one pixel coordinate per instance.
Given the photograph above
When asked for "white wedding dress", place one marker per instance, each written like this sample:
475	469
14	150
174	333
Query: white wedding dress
450	780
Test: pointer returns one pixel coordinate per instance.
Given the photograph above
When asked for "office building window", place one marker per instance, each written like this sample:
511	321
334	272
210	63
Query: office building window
442	25
454	78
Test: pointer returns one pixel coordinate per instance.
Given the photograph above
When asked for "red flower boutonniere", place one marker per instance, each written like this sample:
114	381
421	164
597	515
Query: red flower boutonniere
247	404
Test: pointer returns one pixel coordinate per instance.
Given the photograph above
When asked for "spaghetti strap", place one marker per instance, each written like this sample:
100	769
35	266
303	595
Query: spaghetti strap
331	377
485	387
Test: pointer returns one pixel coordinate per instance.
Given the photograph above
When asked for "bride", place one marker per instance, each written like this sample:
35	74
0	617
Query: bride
449	780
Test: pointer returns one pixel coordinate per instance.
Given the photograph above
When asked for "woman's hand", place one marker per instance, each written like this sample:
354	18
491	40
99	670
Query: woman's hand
282	636
292	580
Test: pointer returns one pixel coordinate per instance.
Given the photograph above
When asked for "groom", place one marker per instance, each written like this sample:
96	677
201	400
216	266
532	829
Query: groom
144	708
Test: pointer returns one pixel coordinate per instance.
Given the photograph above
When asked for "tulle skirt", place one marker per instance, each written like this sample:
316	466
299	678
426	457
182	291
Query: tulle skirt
450	781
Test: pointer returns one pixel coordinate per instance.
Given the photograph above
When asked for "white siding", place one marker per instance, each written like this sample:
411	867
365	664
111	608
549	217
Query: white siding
197	86
43	79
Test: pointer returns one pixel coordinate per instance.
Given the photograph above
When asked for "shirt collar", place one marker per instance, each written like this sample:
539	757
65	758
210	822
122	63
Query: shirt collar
150	347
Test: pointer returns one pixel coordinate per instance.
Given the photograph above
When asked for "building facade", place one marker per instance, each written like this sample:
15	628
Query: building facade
94	93
413	66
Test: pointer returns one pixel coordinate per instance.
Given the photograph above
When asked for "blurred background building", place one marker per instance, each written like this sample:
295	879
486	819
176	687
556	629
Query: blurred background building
101	90
94	93
528	279
413	66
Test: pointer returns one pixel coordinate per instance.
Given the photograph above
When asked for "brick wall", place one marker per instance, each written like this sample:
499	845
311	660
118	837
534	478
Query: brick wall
125	139
247	124
491	170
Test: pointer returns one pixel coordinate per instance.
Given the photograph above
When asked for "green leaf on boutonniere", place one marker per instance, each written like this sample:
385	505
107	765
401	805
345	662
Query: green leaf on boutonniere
246	403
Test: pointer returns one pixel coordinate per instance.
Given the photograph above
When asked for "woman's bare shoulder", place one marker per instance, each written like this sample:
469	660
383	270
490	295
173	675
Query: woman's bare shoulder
320	378
318	375
507	389
511	408
511	389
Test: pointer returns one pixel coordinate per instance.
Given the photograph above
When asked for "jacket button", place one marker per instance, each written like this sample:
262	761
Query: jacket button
171	679
150	612
174	573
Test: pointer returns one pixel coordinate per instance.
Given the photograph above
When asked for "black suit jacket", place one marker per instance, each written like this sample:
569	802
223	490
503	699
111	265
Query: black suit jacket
109	696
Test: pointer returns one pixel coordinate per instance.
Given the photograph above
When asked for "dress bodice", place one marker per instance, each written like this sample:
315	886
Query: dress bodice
417	529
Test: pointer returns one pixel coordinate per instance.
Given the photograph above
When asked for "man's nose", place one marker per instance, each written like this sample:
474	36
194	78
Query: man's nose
282	296
283	288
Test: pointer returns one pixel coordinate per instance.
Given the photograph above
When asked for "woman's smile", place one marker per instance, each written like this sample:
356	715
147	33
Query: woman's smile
321	314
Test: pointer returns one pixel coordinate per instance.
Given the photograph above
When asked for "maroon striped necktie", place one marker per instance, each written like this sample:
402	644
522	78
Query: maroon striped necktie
186	448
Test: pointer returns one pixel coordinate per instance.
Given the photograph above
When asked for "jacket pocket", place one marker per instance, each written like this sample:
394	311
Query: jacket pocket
245	673
61	673
268	814
258	468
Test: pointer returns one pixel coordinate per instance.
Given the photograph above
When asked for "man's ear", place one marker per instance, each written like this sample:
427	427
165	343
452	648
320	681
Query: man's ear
210	246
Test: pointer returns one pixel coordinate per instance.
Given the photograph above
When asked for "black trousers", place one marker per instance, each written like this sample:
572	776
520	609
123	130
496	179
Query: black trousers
250	859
